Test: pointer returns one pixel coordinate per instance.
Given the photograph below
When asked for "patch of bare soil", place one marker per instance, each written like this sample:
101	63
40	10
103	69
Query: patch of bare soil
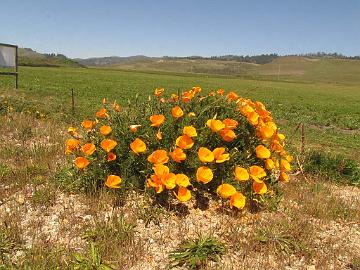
333	243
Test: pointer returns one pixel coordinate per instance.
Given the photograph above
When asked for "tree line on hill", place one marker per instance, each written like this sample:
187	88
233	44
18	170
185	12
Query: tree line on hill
264	58
327	55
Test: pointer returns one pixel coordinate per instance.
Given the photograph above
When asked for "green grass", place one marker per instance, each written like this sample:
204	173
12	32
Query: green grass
329	111
194	254
334	167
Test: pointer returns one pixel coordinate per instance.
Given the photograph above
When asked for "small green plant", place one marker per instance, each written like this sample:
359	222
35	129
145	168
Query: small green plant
44	196
7	245
334	167
4	170
116	229
92	261
151	213
194	254
281	238
354	264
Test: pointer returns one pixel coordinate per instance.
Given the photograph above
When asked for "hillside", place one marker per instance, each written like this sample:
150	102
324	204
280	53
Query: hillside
112	60
288	68
29	57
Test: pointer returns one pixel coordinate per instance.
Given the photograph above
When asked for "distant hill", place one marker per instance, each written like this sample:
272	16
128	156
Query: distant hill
113	60
289	68
29	57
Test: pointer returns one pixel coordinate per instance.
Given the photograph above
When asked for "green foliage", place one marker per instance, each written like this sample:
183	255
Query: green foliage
44	196
194	254
7	245
281	237
327	110
92	261
138	171
334	167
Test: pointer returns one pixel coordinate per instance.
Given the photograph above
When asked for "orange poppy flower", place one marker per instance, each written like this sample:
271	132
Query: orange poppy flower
246	110
187	96
184	142
72	131
159	91
161	170
102	113
113	181
283	177
289	158
108	145
285	165
183	194
237	200
87	124
205	155
215	125
259	187
266	132
212	93
226	190
157	120
191	114
105	130
227	135
169	181
257	173
111	156
159	135
156	183
269	164
220	155
177	112
253	118
116	107
158	157
71	145
88	149
232	96
174	97
279	136
241	174
81	162
220	92
262	152
276	146
196	89
178	155
204	175
190	131
138	146
134	128
182	180
230	123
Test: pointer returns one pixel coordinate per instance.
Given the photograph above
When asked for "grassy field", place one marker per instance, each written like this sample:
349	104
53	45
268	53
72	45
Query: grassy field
329	111
288	68
46	224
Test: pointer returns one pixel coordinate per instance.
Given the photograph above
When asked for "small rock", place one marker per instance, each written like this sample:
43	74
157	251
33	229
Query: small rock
20	199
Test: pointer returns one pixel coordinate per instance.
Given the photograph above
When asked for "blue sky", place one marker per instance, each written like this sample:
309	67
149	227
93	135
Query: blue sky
181	27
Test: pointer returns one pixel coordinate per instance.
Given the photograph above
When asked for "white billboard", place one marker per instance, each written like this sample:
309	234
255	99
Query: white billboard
7	56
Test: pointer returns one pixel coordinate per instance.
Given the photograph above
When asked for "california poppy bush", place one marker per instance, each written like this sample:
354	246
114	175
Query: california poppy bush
181	145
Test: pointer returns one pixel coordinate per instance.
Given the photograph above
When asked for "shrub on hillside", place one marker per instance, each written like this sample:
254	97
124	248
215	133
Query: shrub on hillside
183	144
